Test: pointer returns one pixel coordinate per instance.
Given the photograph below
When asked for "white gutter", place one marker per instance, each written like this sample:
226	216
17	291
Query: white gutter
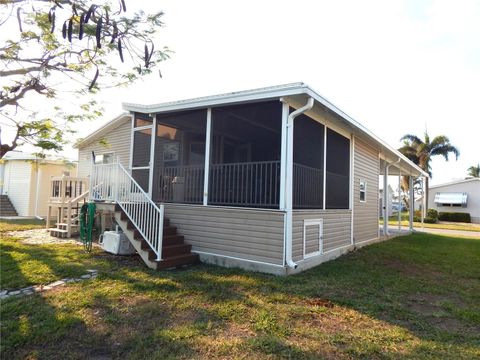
289	182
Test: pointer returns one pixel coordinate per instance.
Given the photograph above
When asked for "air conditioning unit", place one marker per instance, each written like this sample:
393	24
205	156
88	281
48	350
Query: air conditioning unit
116	243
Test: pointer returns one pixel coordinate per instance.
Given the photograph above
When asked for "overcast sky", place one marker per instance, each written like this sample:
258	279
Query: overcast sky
395	66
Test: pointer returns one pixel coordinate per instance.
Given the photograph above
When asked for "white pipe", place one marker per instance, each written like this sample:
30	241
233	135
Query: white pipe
412	203
399	200
289	182
37	190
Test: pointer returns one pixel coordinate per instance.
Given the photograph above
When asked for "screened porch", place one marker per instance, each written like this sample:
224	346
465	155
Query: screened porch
241	146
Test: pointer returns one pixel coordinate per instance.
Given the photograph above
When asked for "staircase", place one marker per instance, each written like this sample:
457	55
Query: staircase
175	253
62	228
6	207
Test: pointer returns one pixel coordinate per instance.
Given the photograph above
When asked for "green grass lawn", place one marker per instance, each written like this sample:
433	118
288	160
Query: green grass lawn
412	297
19	225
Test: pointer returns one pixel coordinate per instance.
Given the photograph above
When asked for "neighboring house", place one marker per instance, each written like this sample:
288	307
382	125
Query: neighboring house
26	181
457	196
389	202
275	179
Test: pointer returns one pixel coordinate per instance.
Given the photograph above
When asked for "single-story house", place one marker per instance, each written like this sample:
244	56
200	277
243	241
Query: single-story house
275	179
381	196
24	178
457	196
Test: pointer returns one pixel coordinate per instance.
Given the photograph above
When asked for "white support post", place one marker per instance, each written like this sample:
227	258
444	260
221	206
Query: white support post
152	155
283	156
132	133
352	185
385	200
325	167
412	203
424	210
208	139
399	199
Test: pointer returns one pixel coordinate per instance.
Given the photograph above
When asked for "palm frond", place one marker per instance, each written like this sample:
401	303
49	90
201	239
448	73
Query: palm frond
410	138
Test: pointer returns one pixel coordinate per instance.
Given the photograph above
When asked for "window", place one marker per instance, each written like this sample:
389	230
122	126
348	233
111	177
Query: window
106	158
363	191
451	199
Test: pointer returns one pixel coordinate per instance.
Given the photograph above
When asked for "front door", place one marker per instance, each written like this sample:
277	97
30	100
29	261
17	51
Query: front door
142	159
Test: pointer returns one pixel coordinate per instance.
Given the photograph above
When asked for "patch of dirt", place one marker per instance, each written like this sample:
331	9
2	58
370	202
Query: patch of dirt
41	236
428	299
237	331
411	269
320	302
430	307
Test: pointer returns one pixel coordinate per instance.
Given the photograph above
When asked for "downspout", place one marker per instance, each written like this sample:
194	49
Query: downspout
37	192
289	183
385	192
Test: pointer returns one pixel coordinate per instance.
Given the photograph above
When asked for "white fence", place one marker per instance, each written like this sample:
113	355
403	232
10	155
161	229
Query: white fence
112	182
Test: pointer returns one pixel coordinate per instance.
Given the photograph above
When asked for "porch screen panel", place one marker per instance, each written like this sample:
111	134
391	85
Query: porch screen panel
308	140
141	147
338	171
179	161
141	177
245	155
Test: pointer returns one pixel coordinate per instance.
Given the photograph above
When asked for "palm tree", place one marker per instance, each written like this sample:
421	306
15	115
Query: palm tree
421	152
474	171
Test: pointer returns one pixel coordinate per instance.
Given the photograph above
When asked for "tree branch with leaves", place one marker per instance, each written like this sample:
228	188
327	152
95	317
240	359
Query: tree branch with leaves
66	49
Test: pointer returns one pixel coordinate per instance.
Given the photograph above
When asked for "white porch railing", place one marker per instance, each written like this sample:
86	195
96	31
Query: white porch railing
112	182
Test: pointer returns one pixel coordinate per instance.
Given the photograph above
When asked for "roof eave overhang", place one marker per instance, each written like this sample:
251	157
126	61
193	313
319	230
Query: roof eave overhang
100	131
283	91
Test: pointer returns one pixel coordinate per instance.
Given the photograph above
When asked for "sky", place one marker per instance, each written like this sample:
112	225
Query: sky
397	67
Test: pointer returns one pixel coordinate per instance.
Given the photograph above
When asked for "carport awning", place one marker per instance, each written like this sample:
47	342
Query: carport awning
451	198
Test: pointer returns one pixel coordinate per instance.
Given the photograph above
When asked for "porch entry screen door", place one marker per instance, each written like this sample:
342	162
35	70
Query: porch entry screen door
141	151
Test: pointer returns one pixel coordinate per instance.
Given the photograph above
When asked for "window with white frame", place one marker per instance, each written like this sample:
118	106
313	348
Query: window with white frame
363	191
106	158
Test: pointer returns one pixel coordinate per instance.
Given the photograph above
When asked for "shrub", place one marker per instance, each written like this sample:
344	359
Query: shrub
455	217
429	220
432	214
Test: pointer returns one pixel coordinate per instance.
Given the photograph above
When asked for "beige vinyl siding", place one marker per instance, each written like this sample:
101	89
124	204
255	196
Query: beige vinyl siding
242	233
365	214
336	229
18	185
118	140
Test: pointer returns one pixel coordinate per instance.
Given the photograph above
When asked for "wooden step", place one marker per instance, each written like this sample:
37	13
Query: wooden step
177	261
169	230
65	224
58	230
176	250
172	240
167	250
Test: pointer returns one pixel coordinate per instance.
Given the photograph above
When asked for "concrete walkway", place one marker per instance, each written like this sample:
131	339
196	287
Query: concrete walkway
474	234
404	231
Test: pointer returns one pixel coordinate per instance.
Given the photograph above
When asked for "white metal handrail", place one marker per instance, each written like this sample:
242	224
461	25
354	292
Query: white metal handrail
112	182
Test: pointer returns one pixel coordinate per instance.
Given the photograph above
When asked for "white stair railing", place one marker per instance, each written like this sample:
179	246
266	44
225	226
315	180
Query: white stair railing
112	182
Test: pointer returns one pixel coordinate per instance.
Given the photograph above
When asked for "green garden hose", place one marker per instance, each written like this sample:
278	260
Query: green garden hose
87	219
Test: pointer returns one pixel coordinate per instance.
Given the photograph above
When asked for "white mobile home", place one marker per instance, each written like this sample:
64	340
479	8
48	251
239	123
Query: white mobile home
457	196
275	179
24	178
